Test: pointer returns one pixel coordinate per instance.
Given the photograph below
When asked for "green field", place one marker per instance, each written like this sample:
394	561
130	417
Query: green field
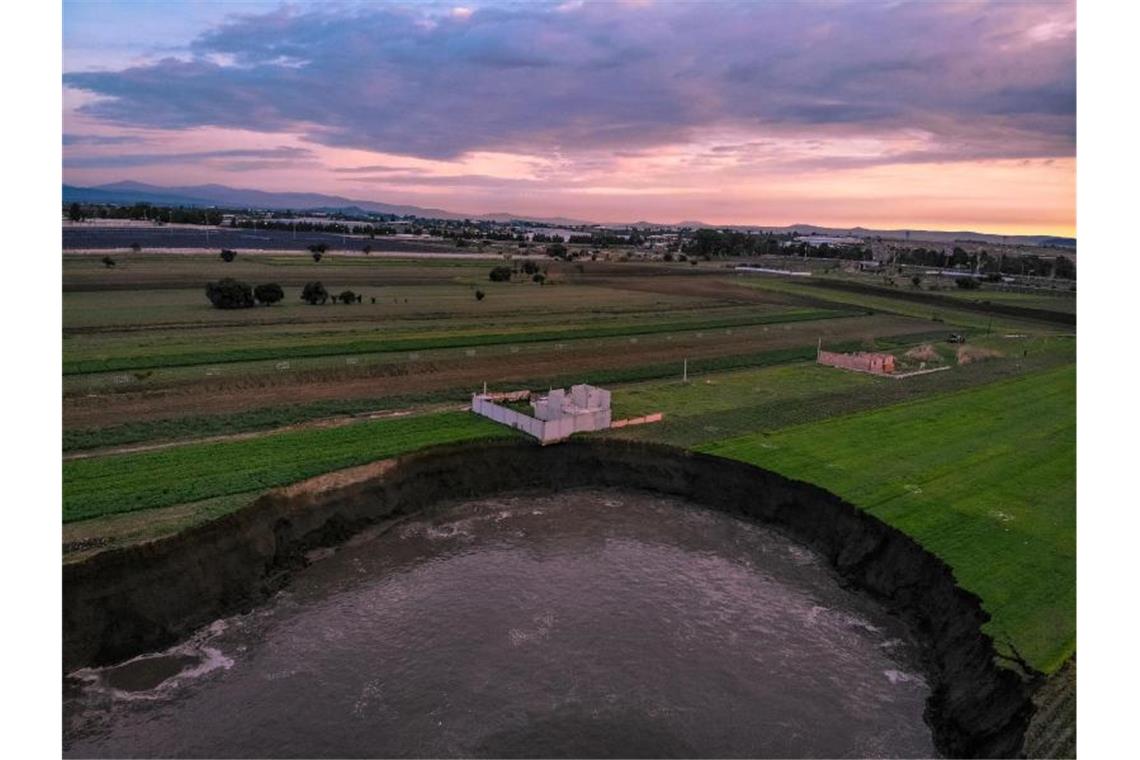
129	482
984	478
976	462
934	312
158	351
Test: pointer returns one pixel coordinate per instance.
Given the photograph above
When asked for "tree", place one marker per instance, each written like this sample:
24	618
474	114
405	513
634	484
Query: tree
916	280
367	249
347	296
318	250
314	293
228	255
539	278
479	295
229	293
268	294
557	250
530	267
75	212
500	274
108	261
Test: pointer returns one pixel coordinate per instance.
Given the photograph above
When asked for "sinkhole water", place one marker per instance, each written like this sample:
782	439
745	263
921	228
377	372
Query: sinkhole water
588	623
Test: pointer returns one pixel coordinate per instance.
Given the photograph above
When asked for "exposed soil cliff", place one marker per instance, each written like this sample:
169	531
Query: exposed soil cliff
124	602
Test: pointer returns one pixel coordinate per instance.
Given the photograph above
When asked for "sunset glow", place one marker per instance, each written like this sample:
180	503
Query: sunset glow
924	115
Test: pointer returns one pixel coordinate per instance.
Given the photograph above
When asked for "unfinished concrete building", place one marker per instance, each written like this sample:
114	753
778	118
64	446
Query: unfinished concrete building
557	415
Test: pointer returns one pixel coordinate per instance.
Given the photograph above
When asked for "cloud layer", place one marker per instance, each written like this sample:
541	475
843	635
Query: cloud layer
936	114
965	81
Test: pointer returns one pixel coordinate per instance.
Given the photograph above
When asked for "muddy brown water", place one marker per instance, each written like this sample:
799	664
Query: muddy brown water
591	623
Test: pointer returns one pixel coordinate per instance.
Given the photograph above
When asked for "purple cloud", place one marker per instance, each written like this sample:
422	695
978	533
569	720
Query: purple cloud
536	79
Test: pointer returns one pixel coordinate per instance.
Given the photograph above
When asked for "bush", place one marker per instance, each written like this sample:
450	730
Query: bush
530	267
228	293
228	255
967	283
318	250
916	280
268	294
108	261
539	278
347	296
501	274
136	247
479	295
314	293
367	249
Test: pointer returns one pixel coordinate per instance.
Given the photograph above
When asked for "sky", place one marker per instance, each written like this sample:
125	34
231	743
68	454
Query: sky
922	115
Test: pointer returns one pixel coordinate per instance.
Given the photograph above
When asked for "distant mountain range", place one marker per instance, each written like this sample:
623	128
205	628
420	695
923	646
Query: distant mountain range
221	195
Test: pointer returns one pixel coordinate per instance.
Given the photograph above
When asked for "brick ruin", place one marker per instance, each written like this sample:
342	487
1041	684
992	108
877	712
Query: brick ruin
861	361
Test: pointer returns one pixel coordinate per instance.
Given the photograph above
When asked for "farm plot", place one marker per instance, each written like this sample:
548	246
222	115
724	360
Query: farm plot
616	359
940	312
985	478
131	482
713	406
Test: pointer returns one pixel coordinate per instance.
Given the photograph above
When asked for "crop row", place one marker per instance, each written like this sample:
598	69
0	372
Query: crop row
332	348
129	482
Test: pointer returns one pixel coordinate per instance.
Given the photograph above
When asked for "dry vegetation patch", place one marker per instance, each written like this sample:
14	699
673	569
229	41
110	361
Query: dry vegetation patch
967	354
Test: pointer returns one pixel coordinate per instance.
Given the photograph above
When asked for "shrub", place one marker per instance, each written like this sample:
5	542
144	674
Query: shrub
530	267
108	261
318	250
479	295
136	247
270	293
500	274
347	296
228	293
539	278
228	255
967	283
367	249
916	280
314	293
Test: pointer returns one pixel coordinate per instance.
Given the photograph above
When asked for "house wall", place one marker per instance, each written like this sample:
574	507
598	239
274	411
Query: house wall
547	431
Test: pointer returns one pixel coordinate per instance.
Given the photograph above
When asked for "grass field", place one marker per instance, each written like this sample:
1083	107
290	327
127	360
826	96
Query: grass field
130	482
712	407
984	478
146	352
935	312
